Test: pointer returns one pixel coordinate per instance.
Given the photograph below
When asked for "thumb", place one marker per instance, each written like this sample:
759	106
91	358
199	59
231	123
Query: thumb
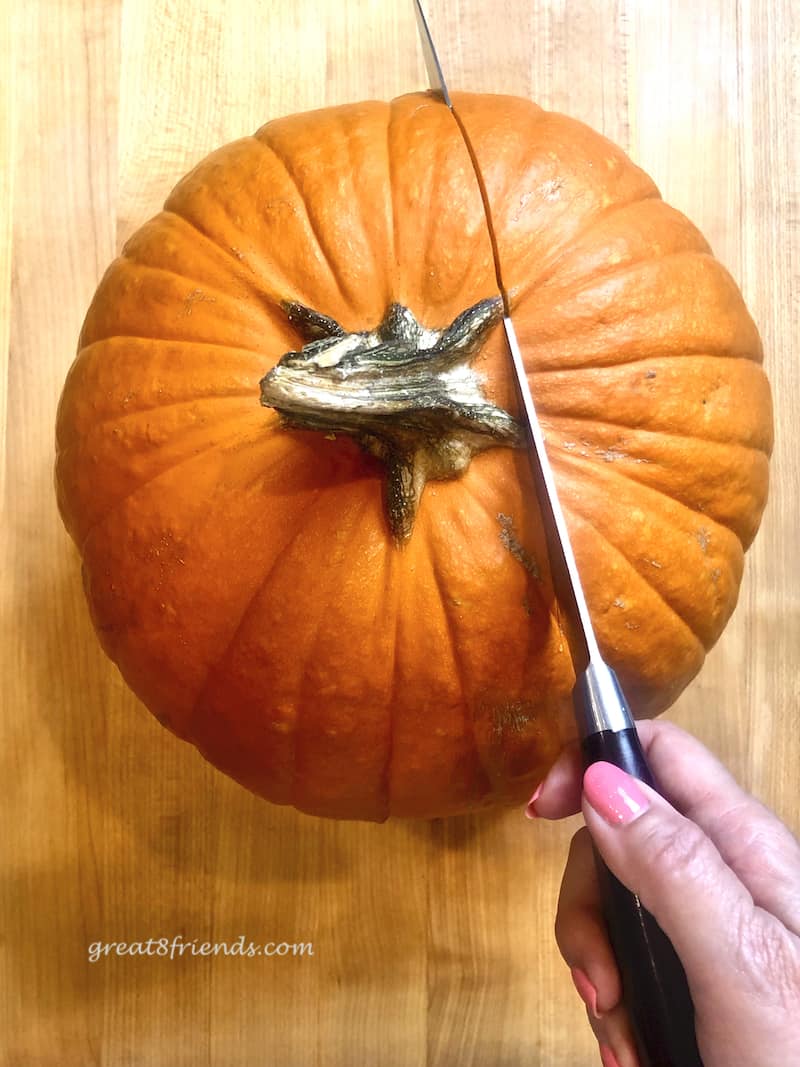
676	871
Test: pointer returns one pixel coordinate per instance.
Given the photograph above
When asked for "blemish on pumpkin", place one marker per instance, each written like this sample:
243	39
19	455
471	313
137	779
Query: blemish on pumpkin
632	625
510	541
655	563
703	538
196	296
609	455
550	189
512	718
649	374
715	575
618	602
523	200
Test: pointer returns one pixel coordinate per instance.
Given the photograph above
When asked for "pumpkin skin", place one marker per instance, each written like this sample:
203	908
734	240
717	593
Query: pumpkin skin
241	573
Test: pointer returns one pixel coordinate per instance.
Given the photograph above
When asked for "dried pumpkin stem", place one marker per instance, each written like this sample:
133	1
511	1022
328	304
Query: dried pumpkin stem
406	393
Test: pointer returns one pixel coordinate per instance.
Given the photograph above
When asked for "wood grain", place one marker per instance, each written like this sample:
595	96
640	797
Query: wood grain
433	942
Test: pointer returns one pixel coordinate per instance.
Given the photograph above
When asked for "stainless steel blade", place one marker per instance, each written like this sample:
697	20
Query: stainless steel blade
577	627
656	992
432	64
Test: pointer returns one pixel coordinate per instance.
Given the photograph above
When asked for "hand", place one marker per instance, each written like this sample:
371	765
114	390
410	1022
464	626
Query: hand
722	879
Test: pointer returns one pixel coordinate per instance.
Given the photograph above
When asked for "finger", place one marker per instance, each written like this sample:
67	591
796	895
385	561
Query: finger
682	879
752	840
615	1037
583	941
581	932
560	791
559	794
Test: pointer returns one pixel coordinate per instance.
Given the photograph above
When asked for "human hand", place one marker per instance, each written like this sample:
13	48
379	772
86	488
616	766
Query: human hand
722	879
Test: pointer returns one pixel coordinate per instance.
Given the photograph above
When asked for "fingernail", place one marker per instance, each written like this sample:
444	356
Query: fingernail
530	810
614	794
586	991
607	1057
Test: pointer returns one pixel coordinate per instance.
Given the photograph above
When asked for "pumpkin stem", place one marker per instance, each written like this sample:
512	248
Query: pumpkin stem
406	393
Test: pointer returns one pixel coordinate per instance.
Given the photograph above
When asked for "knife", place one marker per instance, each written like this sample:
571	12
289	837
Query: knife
655	989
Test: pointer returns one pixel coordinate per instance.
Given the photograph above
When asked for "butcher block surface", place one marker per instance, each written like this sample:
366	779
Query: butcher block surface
432	942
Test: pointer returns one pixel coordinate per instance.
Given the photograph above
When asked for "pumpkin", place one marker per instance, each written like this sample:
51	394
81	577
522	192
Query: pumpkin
287	450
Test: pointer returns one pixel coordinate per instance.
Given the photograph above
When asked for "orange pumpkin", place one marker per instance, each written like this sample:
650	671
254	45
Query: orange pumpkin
343	599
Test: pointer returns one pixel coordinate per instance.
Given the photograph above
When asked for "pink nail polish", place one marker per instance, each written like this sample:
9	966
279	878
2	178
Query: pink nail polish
530	809
614	794
607	1057
586	991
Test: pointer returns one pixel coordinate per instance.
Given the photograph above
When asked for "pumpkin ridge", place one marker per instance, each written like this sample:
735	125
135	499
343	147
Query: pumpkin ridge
566	368
390	182
664	693
571	460
460	672
199	519
367	232
613	322
577	285
243	617
602	215
548	416
131	412
571	510
168	341
218	296
598	278
250	278
469	488
88	357
432	219
686	238
247	436
240	264
324	592
267	146
391	559
529	503
689	353
636	473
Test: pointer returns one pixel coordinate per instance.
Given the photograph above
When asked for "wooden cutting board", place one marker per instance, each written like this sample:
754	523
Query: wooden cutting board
432	941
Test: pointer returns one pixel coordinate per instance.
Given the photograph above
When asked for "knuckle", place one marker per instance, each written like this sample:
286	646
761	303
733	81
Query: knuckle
681	847
767	853
768	958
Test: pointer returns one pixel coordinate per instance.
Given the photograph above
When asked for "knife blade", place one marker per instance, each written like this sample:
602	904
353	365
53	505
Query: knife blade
655	988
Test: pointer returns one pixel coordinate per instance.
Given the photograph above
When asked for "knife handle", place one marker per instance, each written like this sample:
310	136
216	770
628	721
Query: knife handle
654	985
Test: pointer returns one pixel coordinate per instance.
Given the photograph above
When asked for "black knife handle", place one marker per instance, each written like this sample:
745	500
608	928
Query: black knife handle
654	984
